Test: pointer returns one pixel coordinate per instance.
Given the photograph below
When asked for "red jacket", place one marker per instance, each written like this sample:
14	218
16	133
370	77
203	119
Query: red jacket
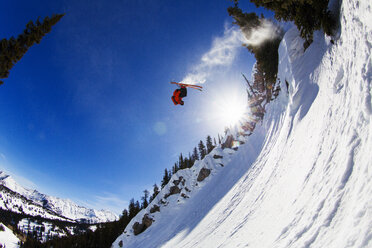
176	97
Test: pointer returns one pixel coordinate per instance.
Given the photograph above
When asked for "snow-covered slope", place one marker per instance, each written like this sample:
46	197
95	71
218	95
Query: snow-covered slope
20	199
7	238
304	178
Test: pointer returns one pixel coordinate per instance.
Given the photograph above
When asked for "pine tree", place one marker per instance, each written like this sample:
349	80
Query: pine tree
175	168
266	53
187	163
308	15
246	21
145	197
155	192
125	214
12	50
202	150
210	146
166	178
132	208
181	162
137	206
195	155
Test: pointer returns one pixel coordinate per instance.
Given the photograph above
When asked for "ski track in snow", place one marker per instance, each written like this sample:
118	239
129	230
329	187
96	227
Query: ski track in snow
304	178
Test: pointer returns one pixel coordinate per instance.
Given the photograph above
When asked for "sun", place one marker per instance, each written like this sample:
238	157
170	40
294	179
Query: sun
228	108
224	105
232	111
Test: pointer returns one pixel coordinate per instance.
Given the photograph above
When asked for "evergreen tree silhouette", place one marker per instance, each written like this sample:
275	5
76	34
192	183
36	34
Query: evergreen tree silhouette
181	162
202	150
145	197
155	192
175	168
195	155
166	178
132	208
209	144
12	50
137	206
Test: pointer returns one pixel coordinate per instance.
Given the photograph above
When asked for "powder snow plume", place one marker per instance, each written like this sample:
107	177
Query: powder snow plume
224	49
222	53
266	31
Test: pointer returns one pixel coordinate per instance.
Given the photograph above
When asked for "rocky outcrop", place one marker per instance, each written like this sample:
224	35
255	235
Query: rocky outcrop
172	191
154	209
147	221
204	173
185	196
180	180
141	227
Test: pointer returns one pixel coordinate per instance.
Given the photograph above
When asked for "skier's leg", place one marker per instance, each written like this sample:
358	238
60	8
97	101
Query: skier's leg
183	92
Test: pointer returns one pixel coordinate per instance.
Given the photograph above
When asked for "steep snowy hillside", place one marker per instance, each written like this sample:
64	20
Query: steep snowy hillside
7	238
307	182
16	198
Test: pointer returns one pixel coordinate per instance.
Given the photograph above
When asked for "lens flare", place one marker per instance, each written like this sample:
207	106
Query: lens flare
232	111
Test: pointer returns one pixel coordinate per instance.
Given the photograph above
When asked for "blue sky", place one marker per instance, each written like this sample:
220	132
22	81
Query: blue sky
87	115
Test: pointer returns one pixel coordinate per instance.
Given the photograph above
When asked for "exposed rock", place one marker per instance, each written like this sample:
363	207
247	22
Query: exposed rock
176	182
147	221
121	243
154	209
140	227
215	156
221	165
187	189
184	195
172	191
204	173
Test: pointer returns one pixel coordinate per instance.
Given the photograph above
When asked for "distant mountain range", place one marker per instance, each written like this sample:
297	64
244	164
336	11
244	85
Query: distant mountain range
16	198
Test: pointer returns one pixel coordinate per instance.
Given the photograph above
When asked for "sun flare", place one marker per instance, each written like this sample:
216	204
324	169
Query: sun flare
232	111
229	108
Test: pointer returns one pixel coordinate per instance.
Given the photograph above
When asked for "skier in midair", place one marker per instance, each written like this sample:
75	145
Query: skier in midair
178	94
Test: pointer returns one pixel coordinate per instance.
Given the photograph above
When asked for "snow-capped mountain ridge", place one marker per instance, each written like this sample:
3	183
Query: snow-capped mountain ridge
62	207
303	178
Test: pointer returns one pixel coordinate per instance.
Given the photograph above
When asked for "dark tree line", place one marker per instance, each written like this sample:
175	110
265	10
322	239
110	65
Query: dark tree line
307	15
266	53
12	50
33	236
103	236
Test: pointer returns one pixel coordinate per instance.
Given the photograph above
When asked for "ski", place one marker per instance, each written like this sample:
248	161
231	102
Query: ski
193	86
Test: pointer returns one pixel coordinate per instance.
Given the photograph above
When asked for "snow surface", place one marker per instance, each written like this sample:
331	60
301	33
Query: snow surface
303	179
7	238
